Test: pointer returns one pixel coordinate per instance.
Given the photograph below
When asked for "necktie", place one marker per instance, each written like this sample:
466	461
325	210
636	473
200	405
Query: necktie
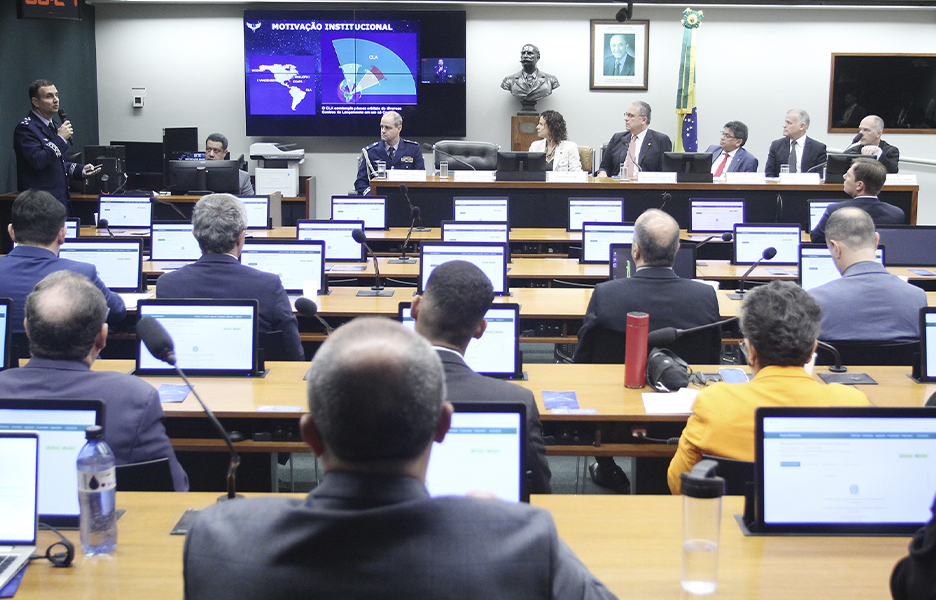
792	160
721	166
617	68
53	128
631	154
390	153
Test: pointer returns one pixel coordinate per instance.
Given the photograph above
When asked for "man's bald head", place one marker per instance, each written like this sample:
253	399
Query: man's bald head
64	315
852	227
376	392
656	234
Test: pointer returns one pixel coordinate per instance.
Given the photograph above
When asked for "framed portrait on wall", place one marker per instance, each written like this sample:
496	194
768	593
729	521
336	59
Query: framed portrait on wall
620	55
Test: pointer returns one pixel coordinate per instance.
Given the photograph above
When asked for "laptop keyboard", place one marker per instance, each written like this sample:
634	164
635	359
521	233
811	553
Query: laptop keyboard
5	560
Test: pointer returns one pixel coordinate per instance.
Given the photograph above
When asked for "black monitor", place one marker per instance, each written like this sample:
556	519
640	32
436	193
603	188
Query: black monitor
112	162
176	142
837	165
521	166
689	166
143	158
198	176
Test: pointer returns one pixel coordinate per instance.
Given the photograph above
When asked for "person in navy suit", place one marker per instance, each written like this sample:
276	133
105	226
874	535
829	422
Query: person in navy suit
871	144
449	314
219	223
216	148
65	323
391	149
733	137
863	182
37	225
808	152
621	59
40	146
647	154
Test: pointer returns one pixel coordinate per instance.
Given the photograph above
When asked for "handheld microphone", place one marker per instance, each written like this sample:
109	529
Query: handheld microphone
377	289
837	367
64	117
767	254
725	237
159	344
667	335
103	224
308	308
414	214
431	148
155	199
405	191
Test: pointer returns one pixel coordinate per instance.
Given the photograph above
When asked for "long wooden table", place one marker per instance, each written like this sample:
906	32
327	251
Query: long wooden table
631	543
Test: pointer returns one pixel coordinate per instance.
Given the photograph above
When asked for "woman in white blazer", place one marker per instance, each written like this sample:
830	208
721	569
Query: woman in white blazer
561	154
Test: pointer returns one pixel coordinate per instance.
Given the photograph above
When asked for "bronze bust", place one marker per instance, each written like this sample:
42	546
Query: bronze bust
529	84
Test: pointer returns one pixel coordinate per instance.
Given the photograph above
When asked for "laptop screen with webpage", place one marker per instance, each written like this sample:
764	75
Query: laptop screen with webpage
173	241
622	263
816	266
258	211
817	208
6	328
928	344
598	237
750	241
598	210
475	231
339	245
72	228
126	211
714	216
490	258
299	264
119	262
481	209
61	426
211	337
370	209
19	457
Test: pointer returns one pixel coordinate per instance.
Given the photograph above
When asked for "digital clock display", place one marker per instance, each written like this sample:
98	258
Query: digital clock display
49	9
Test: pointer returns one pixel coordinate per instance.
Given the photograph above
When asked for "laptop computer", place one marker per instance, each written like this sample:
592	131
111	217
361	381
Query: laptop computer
817	208
370	209
482	452
598	237
497	352
173	240
844	470
750	241
816	266
119	261
126	211
622	263
258	211
211	337
339	245
595	210
927	344
497	232
481	209
714	216
72	228
19	463
300	264
6	329
490	258
907	245
61	427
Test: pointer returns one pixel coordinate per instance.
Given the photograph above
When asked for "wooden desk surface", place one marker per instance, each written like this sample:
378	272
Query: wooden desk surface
631	543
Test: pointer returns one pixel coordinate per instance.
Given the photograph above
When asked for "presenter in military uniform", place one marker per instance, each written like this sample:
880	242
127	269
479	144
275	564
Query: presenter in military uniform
40	146
391	149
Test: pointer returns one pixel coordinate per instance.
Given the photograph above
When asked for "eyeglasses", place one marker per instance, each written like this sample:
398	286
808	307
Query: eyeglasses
728	136
631	115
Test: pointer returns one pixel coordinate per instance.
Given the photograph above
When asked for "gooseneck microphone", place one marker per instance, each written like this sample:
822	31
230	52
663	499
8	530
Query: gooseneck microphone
155	199
667	335
414	214
308	308
432	148
160	345
64	117
405	191
855	141
725	237
837	367
377	289
767	254
103	224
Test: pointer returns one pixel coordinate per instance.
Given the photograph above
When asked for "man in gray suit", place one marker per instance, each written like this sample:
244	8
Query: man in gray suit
450	313
370	529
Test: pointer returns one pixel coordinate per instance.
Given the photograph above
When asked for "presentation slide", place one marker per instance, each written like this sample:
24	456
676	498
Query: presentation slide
750	244
118	263
339	245
598	211
125	211
476	232
18	492
369	209
173	241
298	267
481	209
205	337
716	216
489	259
597	240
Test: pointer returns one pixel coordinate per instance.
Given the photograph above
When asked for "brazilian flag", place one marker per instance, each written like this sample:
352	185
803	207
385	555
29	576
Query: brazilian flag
686	116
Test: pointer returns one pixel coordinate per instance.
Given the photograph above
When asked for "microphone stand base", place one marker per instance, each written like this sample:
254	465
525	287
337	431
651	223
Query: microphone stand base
422	229
382	293
401	261
224	497
736	295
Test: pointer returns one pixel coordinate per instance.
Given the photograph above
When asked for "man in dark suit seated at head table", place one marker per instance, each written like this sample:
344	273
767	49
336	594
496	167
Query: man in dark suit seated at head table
369	529
795	149
639	148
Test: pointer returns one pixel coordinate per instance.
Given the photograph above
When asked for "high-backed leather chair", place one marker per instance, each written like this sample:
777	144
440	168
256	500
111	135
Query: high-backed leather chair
587	156
870	353
480	155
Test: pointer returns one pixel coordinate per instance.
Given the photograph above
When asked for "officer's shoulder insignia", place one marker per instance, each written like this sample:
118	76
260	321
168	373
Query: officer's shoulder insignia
372	146
410	142
26	121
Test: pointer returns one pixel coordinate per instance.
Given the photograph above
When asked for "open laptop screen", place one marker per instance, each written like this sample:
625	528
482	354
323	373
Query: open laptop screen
173	241
750	241
598	237
816	266
817	208
299	264
490	258
126	211
481	209
598	210
19	457
714	216
928	344
497	232
6	327
845	470
119	262
482	452
211	337
72	228
622	263
61	426
370	209
909	245
258	211
339	245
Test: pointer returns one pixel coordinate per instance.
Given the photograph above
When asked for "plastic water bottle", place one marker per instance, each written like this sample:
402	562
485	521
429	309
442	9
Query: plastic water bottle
702	493
97	494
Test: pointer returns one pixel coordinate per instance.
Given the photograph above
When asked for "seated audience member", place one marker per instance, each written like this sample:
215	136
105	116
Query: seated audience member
780	325
863	182
449	314
561	154
369	529
216	149
871	144
729	156
219	223
656	290
638	148
868	303
914	576
397	152
795	149
65	324
37	225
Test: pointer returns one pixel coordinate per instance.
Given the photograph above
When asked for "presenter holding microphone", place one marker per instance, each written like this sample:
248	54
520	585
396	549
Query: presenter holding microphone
391	149
40	145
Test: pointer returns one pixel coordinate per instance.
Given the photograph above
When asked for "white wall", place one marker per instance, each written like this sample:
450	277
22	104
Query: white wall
190	60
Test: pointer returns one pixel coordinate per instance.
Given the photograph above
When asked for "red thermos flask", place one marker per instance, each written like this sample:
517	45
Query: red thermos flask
635	352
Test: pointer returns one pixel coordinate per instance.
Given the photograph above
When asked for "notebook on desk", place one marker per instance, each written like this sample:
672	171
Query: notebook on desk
598	237
61	427
714	216
19	462
370	209
595	210
481	209
844	470
119	261
490	258
300	264
339	244
126	211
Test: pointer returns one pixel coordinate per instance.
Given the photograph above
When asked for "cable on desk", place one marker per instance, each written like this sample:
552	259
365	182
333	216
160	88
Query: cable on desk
574	284
401	282
59	559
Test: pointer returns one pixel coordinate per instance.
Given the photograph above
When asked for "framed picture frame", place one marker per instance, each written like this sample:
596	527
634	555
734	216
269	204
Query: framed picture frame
620	55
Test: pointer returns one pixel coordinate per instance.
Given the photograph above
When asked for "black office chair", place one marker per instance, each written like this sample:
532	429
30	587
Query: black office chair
735	473
149	476
480	155
870	353
274	348
702	347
